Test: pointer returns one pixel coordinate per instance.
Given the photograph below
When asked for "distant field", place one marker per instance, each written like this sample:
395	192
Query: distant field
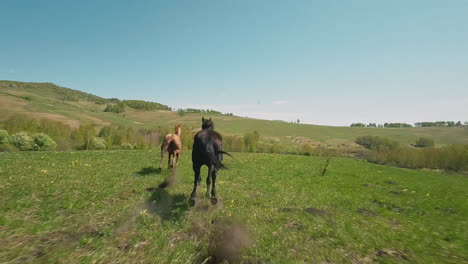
106	207
52	102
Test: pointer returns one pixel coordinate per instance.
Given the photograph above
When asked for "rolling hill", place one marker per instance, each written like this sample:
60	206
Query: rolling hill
75	108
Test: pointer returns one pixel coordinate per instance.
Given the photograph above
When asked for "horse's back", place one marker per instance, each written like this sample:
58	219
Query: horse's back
173	143
206	145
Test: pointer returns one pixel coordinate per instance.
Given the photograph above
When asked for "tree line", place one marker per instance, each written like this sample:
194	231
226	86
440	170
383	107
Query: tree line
182	112
418	124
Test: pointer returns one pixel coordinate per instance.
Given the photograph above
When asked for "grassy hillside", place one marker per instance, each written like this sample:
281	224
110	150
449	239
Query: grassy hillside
74	108
106	207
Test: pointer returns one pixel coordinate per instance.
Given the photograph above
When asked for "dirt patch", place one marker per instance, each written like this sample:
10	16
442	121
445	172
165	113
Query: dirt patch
446	210
11	104
178	236
228	241
396	192
366	212
294	225
316	211
388	206
286	210
60	118
370	185
199	229
96	121
381	253
170	180
203	205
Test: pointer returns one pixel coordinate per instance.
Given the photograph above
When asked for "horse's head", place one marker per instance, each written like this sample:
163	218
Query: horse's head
207	123
178	130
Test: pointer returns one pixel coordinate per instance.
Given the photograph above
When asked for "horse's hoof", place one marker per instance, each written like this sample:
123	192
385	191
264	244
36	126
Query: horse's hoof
191	202
214	200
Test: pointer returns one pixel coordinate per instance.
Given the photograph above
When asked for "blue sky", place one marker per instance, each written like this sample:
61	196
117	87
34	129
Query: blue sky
324	62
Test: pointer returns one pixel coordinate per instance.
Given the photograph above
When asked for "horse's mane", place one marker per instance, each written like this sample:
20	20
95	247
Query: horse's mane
178	130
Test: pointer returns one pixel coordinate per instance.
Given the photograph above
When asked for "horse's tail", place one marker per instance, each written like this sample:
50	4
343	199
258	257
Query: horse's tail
165	145
213	154
223	152
219	158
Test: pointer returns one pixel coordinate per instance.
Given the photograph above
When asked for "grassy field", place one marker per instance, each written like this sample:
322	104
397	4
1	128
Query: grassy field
106	207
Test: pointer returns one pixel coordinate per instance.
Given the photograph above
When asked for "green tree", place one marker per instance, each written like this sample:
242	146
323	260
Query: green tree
358	125
251	141
43	142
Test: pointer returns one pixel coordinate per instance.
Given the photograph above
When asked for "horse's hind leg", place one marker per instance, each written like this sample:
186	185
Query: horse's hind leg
177	158
170	160
193	196
160	162
214	200
208	181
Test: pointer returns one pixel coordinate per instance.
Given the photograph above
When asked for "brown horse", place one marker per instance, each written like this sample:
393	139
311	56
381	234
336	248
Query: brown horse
172	144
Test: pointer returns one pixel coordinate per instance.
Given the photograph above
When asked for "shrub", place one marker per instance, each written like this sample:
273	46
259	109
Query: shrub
58	131
4	141
4	137
251	141
127	146
98	143
115	108
376	142
43	142
424	142
22	141
144	105
233	143
307	149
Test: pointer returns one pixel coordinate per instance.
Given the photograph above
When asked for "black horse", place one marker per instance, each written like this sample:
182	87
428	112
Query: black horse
207	150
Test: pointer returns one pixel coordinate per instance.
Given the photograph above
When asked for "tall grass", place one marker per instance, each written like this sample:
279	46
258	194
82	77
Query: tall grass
454	157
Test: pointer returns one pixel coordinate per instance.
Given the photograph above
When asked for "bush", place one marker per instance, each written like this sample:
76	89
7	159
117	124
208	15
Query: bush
376	142
233	143
58	131
144	105
251	141
4	137
4	141
307	149
43	142
22	141
127	146
98	143
423	142
115	108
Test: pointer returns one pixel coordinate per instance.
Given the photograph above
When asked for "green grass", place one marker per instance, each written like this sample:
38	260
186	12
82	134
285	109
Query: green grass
104	206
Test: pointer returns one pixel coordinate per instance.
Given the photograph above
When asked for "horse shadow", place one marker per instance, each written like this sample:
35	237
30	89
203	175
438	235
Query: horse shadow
149	170
169	207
